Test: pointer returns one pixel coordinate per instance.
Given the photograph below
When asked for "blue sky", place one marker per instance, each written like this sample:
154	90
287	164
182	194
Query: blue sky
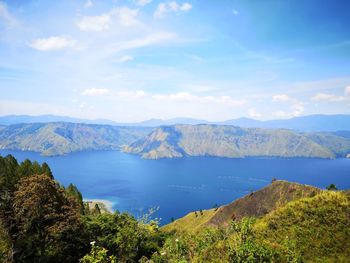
138	59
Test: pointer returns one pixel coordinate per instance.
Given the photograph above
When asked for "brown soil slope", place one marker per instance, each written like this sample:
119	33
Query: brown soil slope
259	203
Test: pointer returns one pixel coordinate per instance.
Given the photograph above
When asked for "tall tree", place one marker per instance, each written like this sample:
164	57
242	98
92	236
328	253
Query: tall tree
49	228
73	193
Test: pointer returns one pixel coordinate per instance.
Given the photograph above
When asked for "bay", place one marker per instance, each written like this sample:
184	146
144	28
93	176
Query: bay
178	186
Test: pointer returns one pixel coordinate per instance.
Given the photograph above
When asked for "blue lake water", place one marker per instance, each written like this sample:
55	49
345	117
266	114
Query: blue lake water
178	186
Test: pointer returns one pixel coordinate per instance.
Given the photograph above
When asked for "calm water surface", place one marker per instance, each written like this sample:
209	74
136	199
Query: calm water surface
178	186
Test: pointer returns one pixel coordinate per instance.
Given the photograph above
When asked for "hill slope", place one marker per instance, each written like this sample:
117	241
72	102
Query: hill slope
256	204
62	138
231	141
311	226
316	228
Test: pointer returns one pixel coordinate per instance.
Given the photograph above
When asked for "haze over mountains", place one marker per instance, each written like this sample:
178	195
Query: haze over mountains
62	138
305	123
173	141
235	142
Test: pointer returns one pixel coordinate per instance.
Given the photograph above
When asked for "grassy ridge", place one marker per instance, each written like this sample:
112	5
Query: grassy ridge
314	227
256	204
317	228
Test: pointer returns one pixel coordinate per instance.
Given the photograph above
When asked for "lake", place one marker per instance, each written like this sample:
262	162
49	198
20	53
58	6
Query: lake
178	186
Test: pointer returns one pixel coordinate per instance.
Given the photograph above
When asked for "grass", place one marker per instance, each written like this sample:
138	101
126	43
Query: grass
190	223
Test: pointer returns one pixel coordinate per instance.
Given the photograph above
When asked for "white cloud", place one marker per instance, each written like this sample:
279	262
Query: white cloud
142	2
296	110
171	7
95	92
155	38
53	43
253	113
125	58
188	97
95	23
280	97
327	97
140	93
6	17
88	4
127	16
235	12
347	91
123	15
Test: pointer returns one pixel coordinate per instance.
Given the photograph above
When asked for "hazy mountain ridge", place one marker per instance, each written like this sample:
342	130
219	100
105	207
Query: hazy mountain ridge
319	122
63	138
236	142
173	141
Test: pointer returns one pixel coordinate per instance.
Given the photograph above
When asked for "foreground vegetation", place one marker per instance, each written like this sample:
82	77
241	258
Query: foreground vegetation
42	221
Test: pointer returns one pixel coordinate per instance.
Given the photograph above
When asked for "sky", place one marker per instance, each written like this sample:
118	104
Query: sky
133	60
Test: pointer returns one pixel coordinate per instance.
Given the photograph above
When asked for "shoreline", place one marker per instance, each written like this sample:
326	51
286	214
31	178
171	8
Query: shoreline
108	205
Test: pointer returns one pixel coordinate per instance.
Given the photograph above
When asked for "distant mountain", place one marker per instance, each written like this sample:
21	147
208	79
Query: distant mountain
236	142
62	138
159	122
17	119
304	123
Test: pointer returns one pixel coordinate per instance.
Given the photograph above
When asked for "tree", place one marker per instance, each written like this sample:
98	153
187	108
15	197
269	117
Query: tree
35	168
332	187
123	236
25	168
98	255
49	228
96	210
76	197
45	169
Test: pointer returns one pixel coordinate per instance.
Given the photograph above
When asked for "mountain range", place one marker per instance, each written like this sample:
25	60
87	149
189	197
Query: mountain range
60	138
236	142
304	123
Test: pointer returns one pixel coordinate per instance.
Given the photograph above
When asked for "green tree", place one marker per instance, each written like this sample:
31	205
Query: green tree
77	198
45	169
96	210
123	236
332	187
25	168
98	255
49	228
35	168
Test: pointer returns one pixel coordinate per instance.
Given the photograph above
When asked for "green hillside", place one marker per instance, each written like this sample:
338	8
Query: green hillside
235	142
255	204
304	224
316	228
63	138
